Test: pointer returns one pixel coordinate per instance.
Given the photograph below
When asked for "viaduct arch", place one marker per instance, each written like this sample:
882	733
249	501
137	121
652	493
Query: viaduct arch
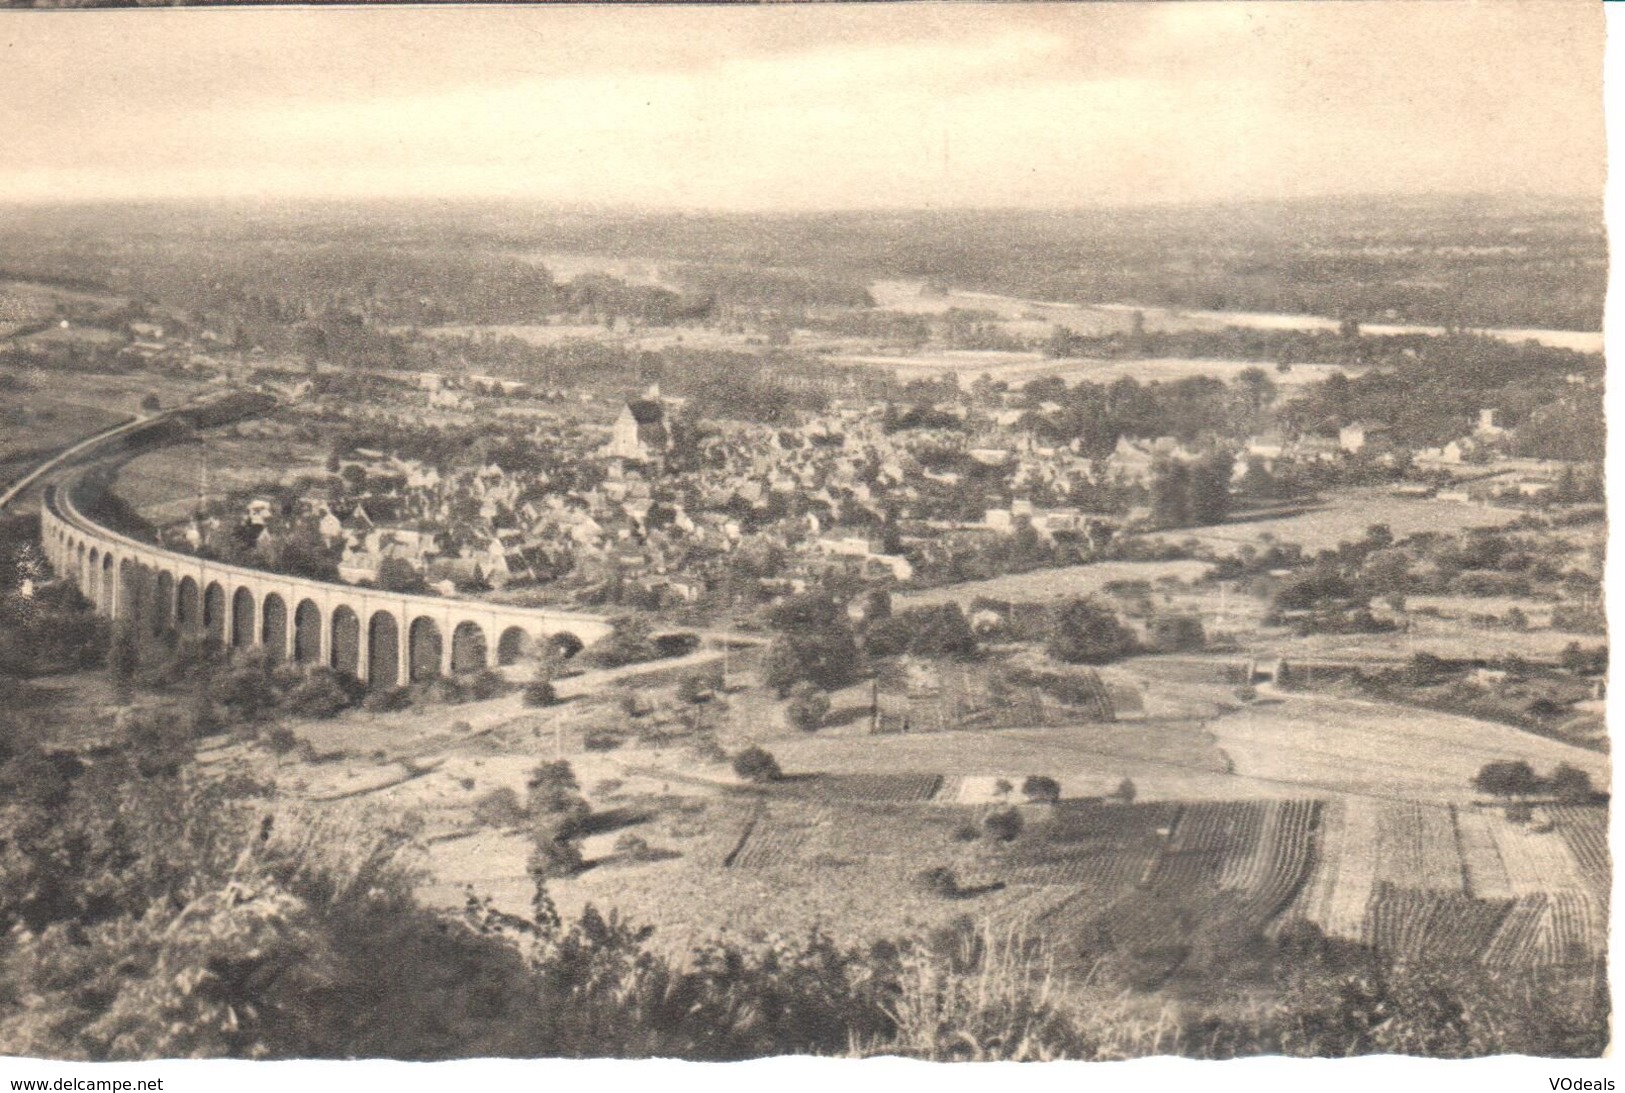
382	638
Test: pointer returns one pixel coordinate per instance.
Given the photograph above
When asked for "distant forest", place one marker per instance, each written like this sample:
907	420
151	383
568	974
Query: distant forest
1457	262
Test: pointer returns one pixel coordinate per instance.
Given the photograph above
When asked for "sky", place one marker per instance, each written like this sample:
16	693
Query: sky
806	107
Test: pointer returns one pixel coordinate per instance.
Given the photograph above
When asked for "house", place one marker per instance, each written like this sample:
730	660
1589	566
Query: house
1133	461
1314	449
1489	424
1356	435
1266	445
640	432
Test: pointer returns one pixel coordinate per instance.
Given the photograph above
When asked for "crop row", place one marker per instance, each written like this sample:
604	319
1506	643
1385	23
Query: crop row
772	841
1586	832
1481	856
1232	827
1348	870
1249	865
907	788
1107	871
1536	861
1416	847
1095	824
1572	930
1517	942
1565	926
1286	854
1411	923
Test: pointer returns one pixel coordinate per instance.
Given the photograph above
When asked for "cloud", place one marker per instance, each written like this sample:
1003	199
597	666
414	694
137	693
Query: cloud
804	107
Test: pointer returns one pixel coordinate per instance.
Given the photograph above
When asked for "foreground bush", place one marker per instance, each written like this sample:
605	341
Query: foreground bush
757	765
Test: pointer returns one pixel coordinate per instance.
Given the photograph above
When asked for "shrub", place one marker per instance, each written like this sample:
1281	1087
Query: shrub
939	880
484	684
388	700
281	740
500	808
1125	791
966	833
1176	633
552	789
694	689
553	855
540	693
1041	788
443	691
1507	778
1570	784
755	764
636	848
704	747
675	645
808	707
1085	632
1004	825
320	694
599	740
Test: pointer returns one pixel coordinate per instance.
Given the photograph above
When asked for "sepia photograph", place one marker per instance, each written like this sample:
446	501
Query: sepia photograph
947	531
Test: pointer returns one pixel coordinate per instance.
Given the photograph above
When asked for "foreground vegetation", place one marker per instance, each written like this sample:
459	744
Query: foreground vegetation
153	912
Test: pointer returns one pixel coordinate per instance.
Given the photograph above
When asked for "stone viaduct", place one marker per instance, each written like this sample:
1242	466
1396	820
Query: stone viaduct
382	638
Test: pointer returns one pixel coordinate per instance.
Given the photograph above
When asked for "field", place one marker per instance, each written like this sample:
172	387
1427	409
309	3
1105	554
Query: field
1387	751
1157	889
1052	584
1463	885
163	485
59	408
1344	517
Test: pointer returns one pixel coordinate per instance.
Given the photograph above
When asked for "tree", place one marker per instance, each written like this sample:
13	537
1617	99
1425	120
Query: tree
1177	633
540	692
628	642
1192	493
808	707
1086	632
552	789
1125	791
938	631
941	631
123	658
756	764
1209	490
1507	778
1570	784
1041	788
399	575
822	651
1171	495
1003	826
939	880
